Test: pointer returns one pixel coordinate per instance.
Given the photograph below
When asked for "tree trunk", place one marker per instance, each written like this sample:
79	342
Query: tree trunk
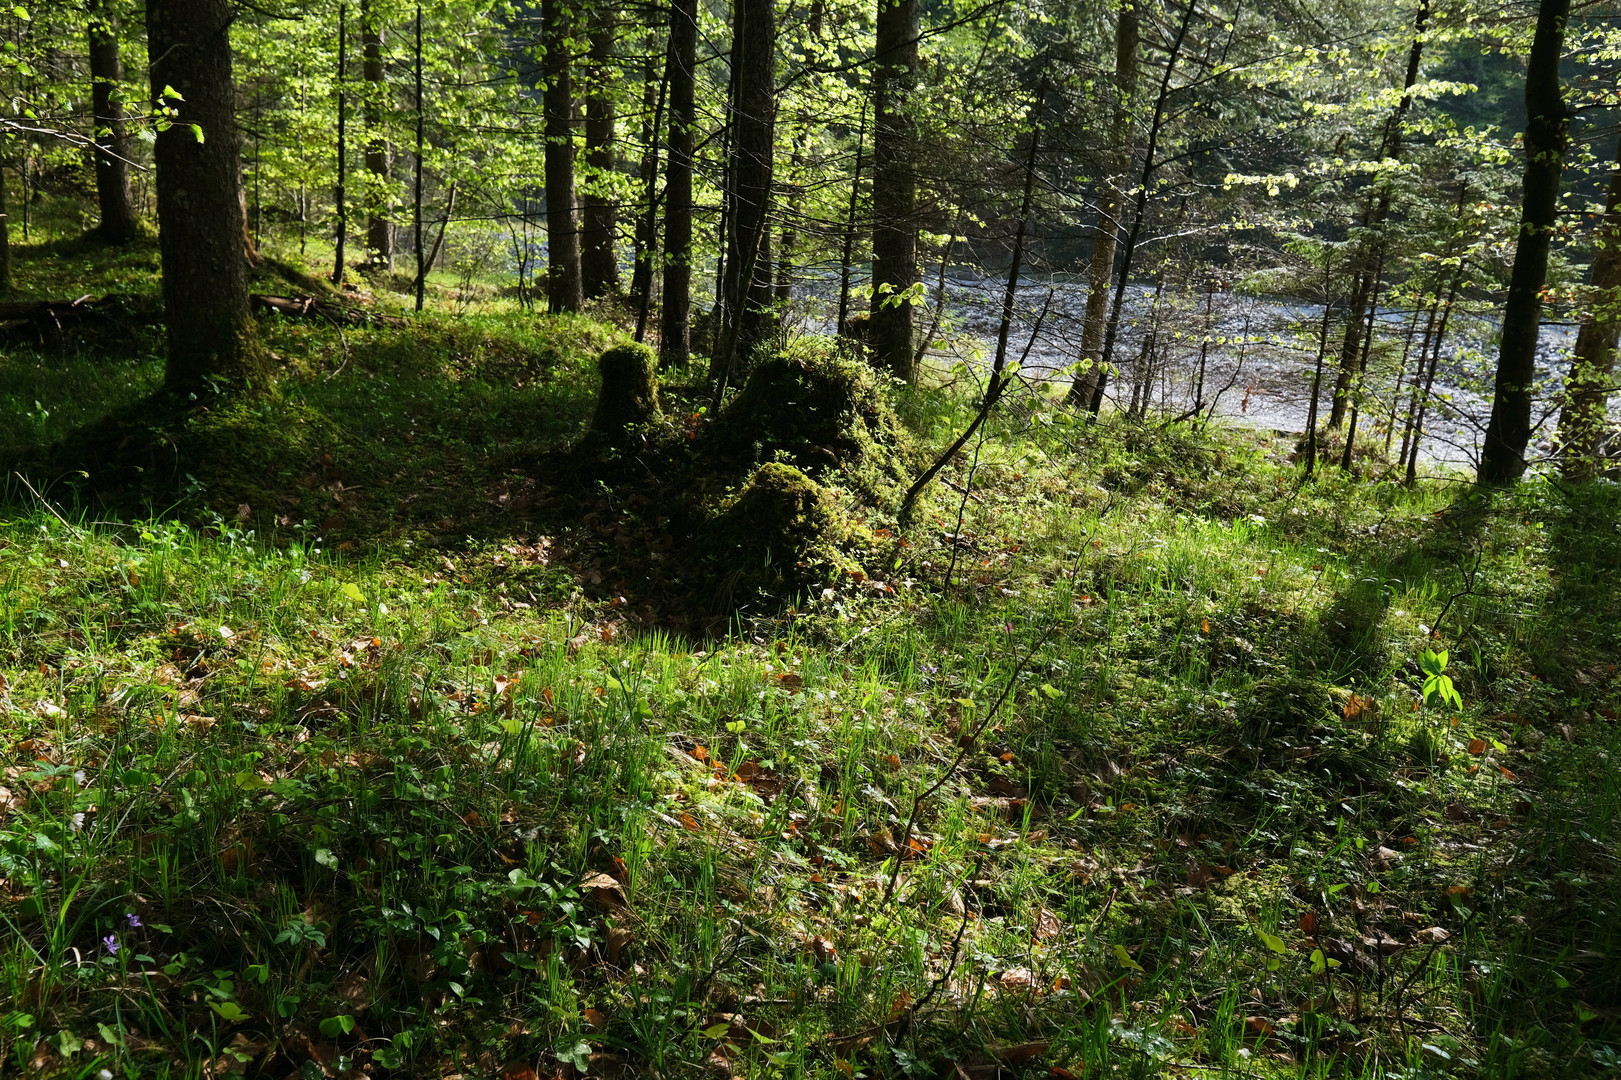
681	75
201	220
340	195
5	237
1547	133
647	222
1587	390
564	291
118	225
894	187
1111	202
416	186
747	285
1139	209
848	258
1366	286
379	230
599	262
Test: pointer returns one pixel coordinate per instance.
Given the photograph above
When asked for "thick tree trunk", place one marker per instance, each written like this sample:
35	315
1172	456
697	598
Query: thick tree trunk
199	187
379	201
894	187
1111	203
1587	390
1547	133
1366	286
599	261
118	225
747	285
564	290
680	75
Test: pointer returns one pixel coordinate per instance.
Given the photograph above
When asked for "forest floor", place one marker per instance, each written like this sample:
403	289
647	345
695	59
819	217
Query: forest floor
374	741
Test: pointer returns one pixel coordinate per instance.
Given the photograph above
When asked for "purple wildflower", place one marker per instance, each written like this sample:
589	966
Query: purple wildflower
133	919
110	943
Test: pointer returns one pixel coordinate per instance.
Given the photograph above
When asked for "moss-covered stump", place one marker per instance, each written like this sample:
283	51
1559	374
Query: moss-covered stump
782	529
825	415
629	398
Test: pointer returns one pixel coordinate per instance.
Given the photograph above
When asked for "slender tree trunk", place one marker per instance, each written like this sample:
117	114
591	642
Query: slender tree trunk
1587	390
1401	377
200	207
340	195
748	247
675	345
1111	202
564	288
894	187
118	225
5	237
1547	133
379	186
850	229
599	260
1366	285
1429	377
1418	379
1111	333
1317	373
1370	312
647	223
416	187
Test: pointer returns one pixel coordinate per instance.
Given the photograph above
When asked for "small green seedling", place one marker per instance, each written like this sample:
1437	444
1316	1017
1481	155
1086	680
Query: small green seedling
1438	684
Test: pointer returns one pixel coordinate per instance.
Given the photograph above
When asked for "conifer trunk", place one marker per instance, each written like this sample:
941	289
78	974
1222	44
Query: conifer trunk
201	220
894	187
379	229
747	284
680	74
118	224
599	261
1111	203
1587	390
1546	136
564	289
5	236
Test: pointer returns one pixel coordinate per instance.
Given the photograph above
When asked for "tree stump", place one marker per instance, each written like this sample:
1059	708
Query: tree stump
629	398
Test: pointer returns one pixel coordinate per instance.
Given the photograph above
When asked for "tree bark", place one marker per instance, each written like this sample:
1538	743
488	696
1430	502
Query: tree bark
201	220
599	261
340	195
1111	203
379	229
681	76
564	289
894	187
747	284
1547	133
5	237
1585	414
118	224
416	187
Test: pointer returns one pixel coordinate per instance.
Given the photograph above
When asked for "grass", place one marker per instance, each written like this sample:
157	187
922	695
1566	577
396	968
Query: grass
376	743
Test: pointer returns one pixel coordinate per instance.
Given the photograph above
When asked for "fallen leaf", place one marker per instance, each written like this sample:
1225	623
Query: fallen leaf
1259	1026
1020	1053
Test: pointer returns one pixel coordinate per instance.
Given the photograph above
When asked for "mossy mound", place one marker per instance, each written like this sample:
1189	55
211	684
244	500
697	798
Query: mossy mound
784	526
823	414
629	398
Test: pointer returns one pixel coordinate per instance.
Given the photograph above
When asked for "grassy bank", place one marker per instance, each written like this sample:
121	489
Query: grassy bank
372	740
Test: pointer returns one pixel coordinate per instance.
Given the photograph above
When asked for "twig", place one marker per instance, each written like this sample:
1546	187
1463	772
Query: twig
70	527
965	744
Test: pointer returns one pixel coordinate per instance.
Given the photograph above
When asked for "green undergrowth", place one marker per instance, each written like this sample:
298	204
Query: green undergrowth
368	743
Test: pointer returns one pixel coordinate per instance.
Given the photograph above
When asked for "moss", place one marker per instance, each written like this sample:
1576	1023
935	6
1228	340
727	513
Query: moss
823	414
782	529
629	397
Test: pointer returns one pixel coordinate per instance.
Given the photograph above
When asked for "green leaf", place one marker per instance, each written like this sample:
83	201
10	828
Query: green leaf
352	591
1125	959
334	1026
1051	691
229	1011
1321	963
325	857
715	1031
736	727
248	780
1271	941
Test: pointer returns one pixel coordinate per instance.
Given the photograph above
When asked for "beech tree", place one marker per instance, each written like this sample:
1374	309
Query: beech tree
118	221
201	220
